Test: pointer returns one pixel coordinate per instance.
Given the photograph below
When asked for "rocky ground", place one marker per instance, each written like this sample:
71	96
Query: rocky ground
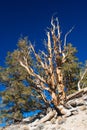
74	118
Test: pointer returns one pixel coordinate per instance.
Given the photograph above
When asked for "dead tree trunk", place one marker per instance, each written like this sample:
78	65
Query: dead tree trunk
60	86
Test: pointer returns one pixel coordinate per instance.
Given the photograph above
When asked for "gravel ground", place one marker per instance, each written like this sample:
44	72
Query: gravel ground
76	122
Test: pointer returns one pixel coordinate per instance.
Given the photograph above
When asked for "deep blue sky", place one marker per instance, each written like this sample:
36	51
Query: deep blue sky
32	17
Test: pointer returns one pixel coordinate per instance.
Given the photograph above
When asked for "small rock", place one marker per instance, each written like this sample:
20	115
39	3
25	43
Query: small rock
85	97
74	112
34	123
41	126
86	112
35	128
61	120
53	121
72	103
48	122
83	108
60	107
48	110
67	106
25	128
66	112
26	119
85	103
79	102
62	129
41	115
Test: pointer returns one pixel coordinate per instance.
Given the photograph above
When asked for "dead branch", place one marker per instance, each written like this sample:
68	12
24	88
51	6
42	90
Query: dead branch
67	35
50	60
58	35
48	117
53	25
50	52
79	88
77	94
31	72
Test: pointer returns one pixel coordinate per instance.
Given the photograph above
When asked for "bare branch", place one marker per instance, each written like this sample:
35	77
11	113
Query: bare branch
58	28
53	25
79	88
45	60
44	54
64	57
50	51
67	35
60	50
49	43
44	98
38	57
44	87
58	35
31	72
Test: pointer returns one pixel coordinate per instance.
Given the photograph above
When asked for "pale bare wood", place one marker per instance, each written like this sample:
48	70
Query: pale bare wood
79	88
77	94
85	90
67	35
48	117
51	63
31	72
58	51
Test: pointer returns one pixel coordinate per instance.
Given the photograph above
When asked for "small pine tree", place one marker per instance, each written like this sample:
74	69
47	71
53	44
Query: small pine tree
19	95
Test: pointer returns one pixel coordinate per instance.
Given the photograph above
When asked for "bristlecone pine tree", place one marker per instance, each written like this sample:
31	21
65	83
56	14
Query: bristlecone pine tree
52	64
28	73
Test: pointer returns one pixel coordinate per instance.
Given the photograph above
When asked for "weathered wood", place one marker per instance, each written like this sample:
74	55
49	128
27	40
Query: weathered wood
67	112
75	95
48	117
76	102
50	62
79	82
85	90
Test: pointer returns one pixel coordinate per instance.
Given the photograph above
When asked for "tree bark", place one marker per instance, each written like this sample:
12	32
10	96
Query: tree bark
77	94
79	87
60	85
48	117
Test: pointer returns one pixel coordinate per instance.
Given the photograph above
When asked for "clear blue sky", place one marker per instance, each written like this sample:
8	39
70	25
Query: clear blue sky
32	17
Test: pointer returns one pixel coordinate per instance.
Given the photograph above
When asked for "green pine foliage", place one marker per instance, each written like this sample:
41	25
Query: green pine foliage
19	90
83	72
71	69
